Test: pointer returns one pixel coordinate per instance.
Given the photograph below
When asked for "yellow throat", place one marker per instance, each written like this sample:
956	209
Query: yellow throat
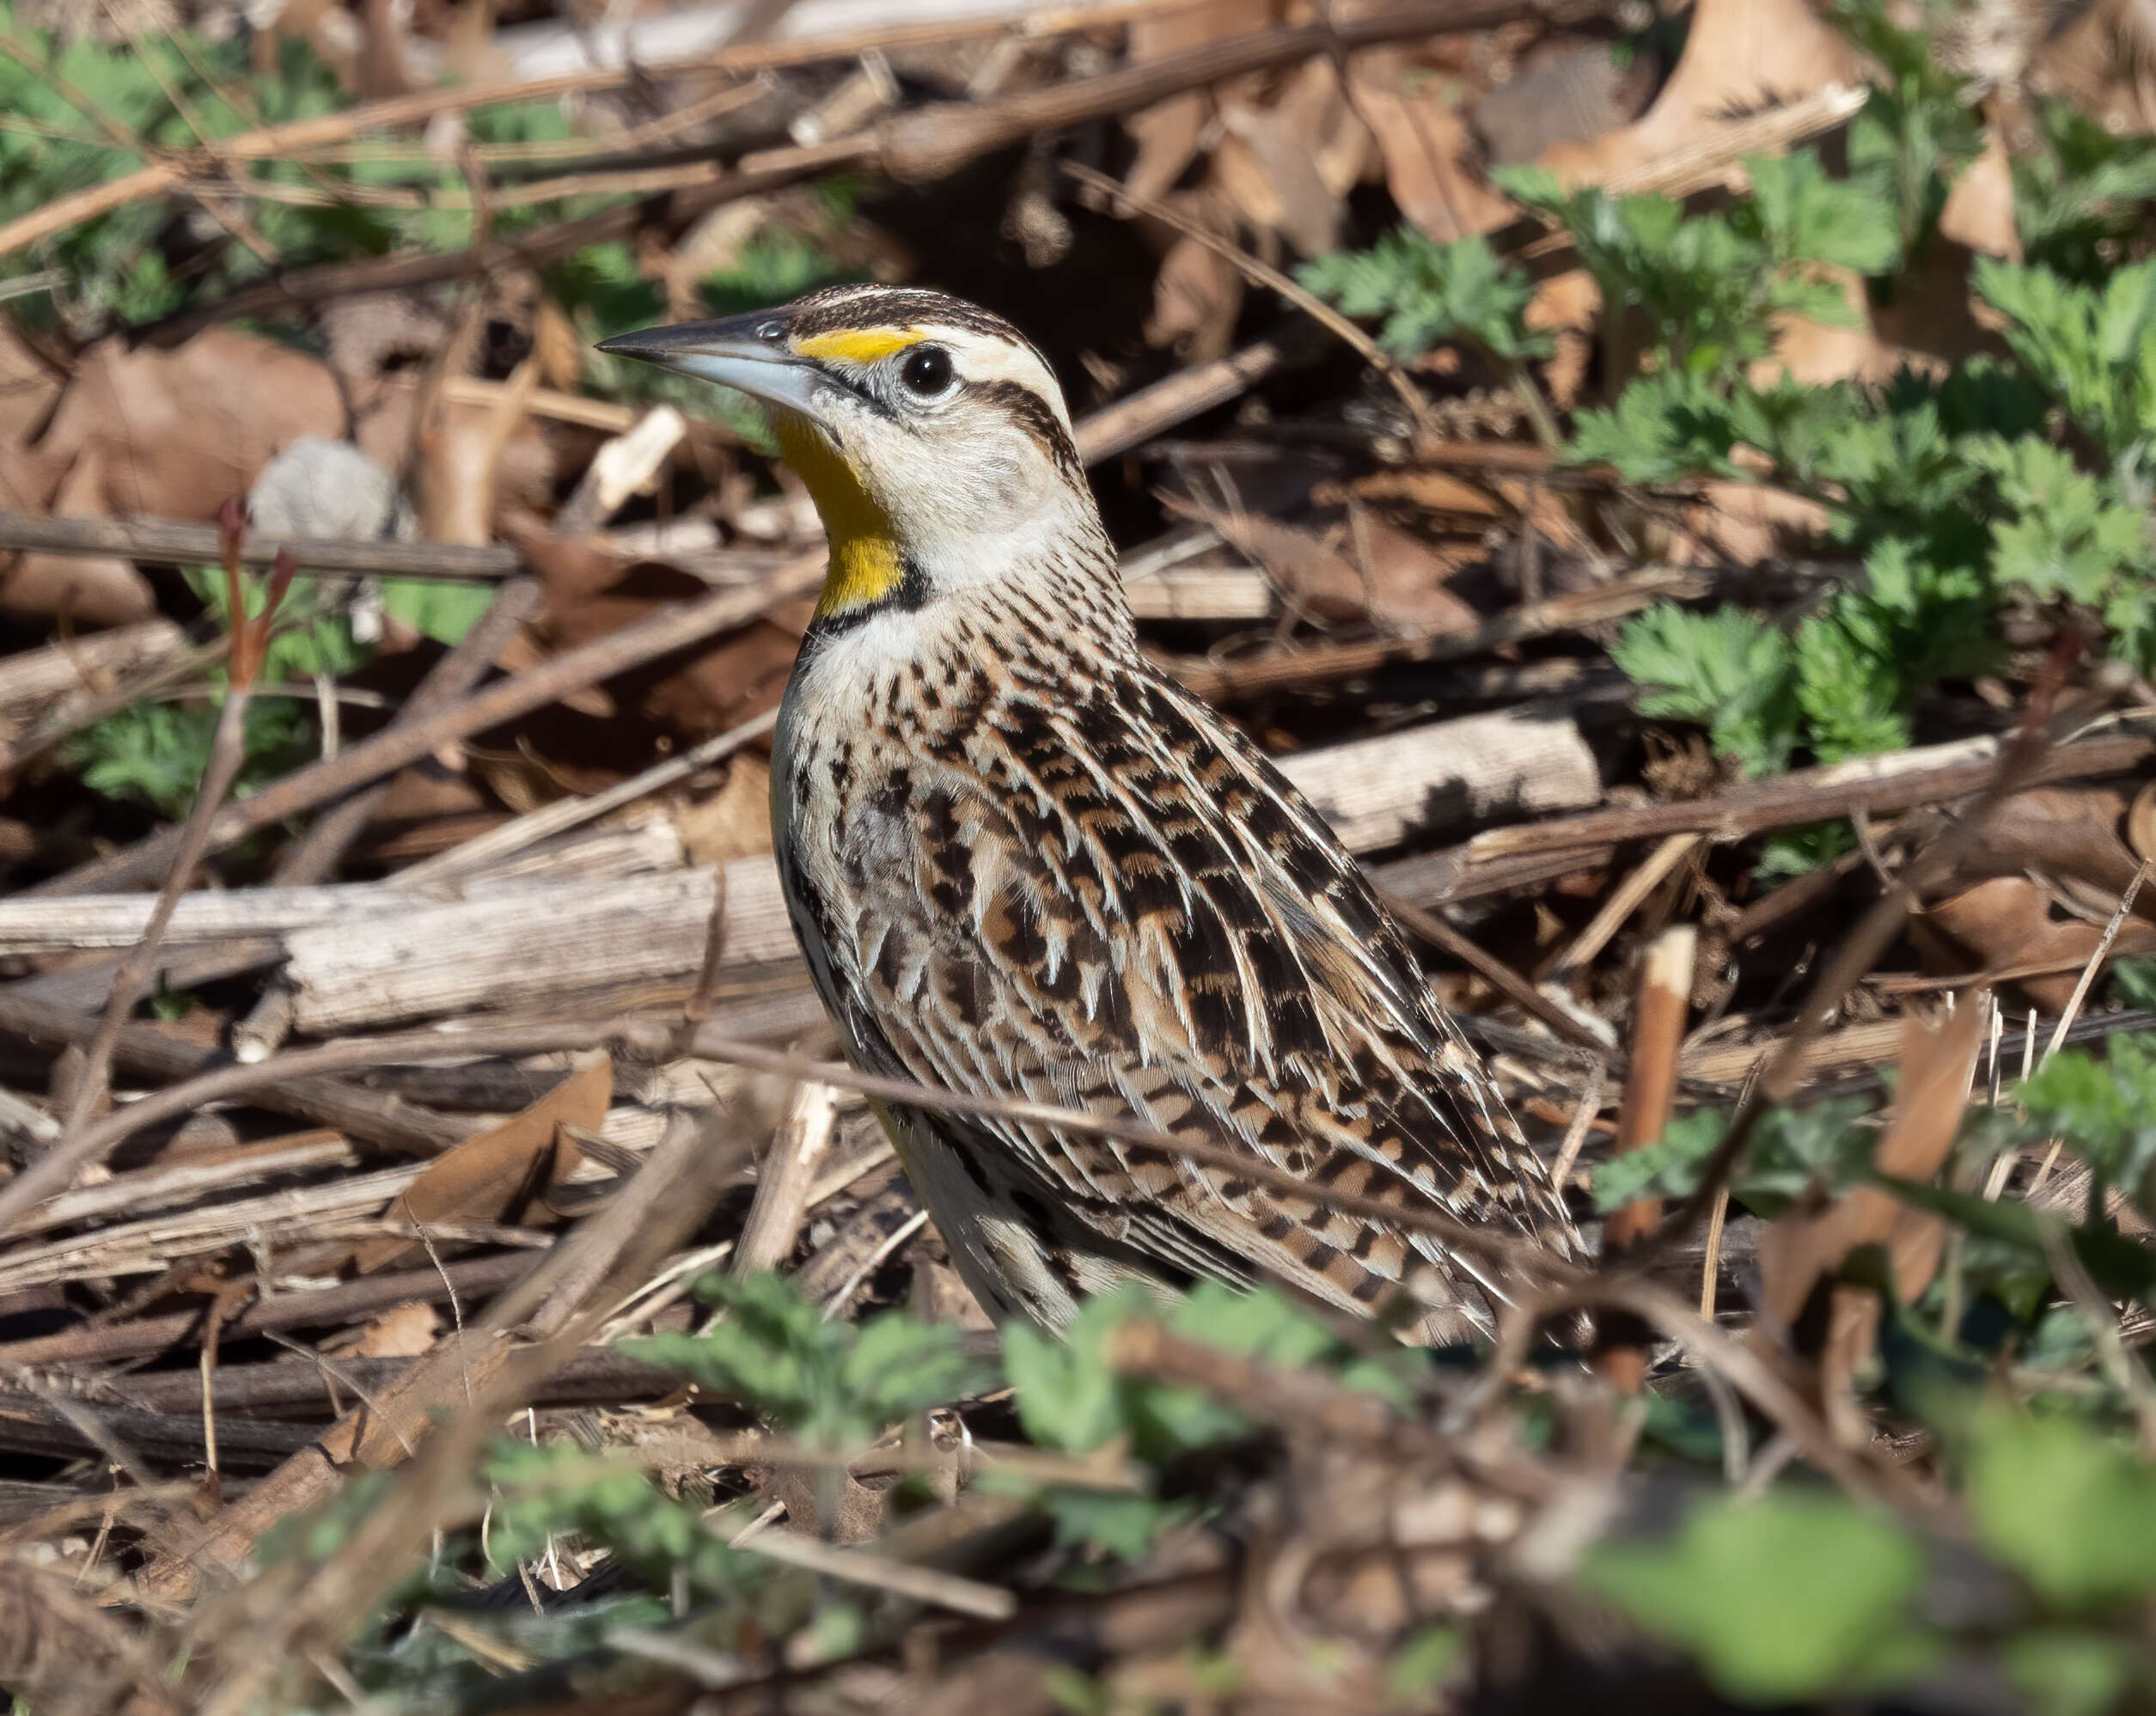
866	563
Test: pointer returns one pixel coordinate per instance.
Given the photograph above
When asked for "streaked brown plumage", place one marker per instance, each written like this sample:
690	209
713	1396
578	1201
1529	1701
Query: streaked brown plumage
1023	863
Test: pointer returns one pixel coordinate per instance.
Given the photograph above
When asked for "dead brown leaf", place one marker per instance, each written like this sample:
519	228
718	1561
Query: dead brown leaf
1937	1063
1801	1247
591	592
733	822
1431	164
172	434
1741	56
29	386
1979	210
1746	523
1288	166
2141	821
502	1174
183	432
1167	133
2069	835
403	1331
1197	295
91	589
1566	305
1817	352
2010	925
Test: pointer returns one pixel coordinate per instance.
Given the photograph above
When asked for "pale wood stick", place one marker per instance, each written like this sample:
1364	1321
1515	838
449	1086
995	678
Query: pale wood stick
785	1180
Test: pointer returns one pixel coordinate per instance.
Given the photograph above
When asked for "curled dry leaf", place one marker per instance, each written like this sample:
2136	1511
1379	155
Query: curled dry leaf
502	1175
1800	1246
462	454
2141	821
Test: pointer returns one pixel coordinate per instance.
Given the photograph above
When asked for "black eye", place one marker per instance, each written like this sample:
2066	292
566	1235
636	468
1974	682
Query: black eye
927	371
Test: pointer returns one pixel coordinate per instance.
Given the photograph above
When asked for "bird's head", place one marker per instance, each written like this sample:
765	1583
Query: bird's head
931	435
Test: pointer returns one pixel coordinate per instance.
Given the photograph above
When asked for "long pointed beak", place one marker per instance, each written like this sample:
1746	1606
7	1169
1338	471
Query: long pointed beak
749	352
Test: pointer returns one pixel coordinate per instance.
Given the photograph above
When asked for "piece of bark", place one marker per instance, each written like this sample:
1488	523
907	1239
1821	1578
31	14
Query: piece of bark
419	961
1896	781
72	923
481	952
34	681
1451	774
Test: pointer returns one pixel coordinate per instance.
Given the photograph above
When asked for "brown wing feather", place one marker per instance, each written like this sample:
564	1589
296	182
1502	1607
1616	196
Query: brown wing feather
1099	896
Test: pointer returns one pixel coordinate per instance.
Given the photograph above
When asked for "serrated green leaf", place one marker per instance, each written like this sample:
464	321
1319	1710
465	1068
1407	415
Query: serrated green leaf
1428	293
1728	670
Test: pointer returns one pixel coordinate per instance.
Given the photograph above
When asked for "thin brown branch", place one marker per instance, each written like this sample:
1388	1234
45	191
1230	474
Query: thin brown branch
170	542
228	753
1326	664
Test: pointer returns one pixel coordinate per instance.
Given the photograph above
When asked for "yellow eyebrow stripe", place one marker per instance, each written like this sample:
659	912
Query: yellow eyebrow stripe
859	346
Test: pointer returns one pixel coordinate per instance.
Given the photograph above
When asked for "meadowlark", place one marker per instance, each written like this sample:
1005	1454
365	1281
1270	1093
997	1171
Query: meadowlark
1022	863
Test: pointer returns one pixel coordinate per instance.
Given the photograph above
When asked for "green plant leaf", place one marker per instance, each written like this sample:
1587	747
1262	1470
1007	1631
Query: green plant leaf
2093	347
435	607
1782	1600
834	1384
1805	216
2073	1512
2069	1671
1428	292
1729	671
